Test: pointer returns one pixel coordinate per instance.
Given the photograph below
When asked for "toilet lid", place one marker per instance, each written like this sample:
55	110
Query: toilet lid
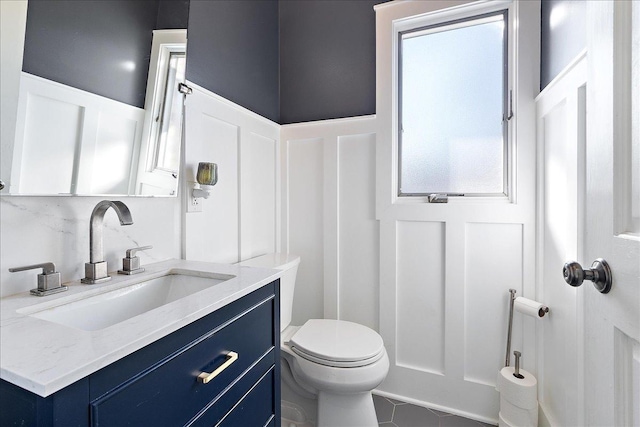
337	341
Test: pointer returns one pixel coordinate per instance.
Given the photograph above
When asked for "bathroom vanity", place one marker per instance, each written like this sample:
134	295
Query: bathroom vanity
207	358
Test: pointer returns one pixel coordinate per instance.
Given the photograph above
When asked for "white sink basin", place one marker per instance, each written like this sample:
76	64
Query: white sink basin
101	311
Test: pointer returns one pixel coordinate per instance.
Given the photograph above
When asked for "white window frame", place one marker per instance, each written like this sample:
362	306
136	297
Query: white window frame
164	42
396	17
451	25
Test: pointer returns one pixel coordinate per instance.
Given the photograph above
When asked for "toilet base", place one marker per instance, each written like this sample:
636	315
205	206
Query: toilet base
346	410
294	415
291	398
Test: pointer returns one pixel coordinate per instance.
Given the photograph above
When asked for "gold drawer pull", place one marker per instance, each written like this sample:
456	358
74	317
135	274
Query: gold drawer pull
205	377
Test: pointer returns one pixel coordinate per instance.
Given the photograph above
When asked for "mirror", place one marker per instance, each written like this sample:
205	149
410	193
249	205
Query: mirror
99	110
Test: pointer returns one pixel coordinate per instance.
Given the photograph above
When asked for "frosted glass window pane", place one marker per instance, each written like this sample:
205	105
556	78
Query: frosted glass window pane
452	98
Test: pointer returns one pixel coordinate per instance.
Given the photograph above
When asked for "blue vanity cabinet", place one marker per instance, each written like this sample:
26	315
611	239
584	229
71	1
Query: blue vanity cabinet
158	385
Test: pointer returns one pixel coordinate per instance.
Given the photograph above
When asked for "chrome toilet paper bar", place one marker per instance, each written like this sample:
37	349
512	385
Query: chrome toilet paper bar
524	306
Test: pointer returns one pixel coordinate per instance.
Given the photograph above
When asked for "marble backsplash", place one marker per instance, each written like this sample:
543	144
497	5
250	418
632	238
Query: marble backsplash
56	229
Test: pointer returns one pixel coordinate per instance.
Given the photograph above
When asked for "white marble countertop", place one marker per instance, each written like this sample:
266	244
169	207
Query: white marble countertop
44	357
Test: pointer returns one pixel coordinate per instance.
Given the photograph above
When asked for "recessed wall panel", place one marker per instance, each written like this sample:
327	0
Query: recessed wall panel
420	331
305	213
115	143
45	118
218	235
493	265
258	195
358	241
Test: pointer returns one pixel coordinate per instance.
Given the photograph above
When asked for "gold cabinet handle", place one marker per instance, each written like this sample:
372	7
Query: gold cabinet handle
205	377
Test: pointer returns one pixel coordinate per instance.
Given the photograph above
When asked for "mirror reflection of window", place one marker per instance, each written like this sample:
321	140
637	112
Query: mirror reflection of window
160	150
169	118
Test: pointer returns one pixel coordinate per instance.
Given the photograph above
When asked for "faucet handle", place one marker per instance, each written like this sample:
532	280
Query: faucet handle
48	280
131	252
47	268
131	263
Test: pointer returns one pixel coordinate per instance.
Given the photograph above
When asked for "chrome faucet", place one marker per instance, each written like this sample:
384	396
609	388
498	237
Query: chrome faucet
96	269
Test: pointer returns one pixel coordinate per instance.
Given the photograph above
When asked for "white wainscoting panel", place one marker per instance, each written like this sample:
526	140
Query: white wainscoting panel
561	116
240	218
112	175
493	262
358	230
214	231
420	288
328	193
94	140
48	117
305	224
258	183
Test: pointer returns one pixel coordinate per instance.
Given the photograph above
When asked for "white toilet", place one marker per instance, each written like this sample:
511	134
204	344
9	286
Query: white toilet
334	361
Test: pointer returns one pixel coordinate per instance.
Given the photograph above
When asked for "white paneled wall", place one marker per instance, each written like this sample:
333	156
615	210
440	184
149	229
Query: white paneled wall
93	140
420	296
444	303
493	262
358	231
259	192
444	291
561	157
328	216
304	227
240	218
446	269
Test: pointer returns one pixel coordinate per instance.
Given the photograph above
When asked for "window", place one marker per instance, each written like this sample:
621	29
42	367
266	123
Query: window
168	116
159	158
452	107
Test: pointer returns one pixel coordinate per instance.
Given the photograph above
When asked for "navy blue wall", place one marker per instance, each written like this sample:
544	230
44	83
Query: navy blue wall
101	47
172	14
327	59
290	61
563	36
98	46
233	52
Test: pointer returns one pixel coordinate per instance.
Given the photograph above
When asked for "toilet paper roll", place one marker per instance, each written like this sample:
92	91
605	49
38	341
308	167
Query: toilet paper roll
514	416
526	419
521	392
530	307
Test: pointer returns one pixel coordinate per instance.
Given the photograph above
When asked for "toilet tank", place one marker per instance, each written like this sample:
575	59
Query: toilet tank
288	263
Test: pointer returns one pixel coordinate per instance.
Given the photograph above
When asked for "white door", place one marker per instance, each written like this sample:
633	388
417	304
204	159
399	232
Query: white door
612	320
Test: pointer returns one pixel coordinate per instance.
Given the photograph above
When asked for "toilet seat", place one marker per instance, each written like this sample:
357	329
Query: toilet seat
337	343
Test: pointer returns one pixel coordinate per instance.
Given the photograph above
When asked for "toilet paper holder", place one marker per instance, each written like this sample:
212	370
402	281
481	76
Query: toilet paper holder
541	312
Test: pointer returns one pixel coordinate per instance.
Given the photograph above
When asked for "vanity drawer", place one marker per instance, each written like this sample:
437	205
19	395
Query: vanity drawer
169	393
255	408
250	401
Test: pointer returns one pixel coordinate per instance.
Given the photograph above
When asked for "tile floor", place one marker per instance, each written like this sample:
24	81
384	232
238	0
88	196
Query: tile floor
394	413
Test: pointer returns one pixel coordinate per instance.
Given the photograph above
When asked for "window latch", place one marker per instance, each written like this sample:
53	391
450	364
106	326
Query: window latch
442	197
